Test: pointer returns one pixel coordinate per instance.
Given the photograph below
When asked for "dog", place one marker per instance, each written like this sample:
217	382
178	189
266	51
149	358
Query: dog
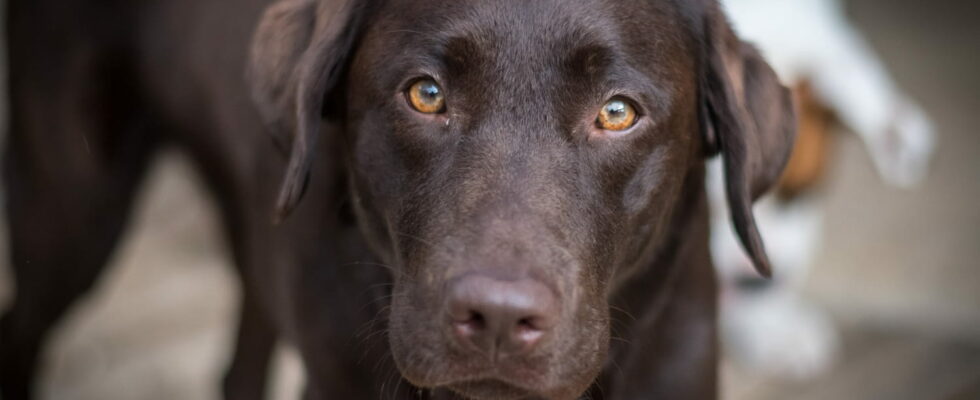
838	83
500	200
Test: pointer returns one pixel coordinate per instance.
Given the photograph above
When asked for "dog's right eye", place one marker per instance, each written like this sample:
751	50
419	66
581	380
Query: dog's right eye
426	97
616	115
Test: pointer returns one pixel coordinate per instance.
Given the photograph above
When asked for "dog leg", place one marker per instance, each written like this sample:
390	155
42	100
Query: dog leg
246	378
65	214
226	175
78	146
247	375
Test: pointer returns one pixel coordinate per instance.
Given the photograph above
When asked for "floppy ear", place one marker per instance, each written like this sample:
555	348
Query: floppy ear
750	117
298	53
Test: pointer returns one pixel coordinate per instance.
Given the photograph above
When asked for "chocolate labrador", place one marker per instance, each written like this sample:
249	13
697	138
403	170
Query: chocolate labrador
503	199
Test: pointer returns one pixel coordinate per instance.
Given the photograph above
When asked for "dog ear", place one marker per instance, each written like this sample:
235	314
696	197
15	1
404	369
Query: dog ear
298	53
750	121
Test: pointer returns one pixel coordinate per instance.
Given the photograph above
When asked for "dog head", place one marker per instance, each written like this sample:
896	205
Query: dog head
514	159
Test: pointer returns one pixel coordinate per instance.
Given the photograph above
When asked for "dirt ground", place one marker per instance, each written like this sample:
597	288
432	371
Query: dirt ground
900	268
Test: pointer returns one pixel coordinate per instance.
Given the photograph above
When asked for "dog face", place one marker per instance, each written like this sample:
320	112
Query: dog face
513	198
514	160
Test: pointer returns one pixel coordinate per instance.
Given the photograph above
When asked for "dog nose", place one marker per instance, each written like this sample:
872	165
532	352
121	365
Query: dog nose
500	317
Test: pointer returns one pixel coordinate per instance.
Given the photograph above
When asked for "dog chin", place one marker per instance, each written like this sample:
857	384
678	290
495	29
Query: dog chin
487	386
491	389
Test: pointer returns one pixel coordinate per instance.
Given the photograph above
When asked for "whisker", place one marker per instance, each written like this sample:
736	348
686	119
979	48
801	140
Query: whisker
418	239
394	270
623	311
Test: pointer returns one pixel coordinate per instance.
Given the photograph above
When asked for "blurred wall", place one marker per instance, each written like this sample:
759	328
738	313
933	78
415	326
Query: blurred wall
911	259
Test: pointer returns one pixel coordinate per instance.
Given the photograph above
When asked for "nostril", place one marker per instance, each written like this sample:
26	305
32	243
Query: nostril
477	320
533	323
473	323
504	316
528	331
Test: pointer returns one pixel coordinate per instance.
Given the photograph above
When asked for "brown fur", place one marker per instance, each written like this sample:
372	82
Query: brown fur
807	165
514	181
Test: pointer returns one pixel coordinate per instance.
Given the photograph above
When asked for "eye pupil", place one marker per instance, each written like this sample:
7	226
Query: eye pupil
429	90
616	108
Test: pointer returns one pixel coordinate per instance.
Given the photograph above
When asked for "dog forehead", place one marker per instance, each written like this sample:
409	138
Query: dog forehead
532	23
531	41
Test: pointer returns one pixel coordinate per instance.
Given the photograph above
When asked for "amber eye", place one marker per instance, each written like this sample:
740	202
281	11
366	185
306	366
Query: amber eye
426	96
616	115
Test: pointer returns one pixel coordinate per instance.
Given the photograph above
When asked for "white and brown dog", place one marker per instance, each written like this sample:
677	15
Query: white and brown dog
838	82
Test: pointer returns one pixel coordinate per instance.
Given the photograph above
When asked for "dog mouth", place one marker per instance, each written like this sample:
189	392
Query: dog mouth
497	383
480	379
491	389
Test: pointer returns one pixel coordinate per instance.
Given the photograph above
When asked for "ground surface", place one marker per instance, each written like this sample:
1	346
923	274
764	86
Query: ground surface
900	268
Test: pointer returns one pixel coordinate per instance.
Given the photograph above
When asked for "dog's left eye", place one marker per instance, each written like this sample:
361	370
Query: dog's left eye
616	115
425	96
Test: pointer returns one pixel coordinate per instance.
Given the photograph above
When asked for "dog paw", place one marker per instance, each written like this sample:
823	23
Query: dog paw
780	336
903	153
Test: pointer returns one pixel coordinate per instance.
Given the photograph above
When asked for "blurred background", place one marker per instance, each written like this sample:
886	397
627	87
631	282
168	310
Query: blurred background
899	269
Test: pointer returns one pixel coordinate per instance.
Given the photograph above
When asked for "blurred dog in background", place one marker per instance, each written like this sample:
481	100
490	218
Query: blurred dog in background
838	83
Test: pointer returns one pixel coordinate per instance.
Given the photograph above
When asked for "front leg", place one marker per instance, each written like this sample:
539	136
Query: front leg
246	376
